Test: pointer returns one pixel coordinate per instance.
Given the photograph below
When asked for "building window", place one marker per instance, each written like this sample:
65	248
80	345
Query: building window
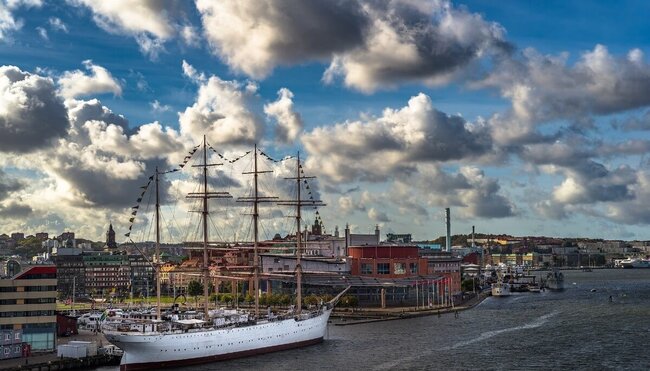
383	268
7	337
413	267
366	268
17	336
7	350
399	268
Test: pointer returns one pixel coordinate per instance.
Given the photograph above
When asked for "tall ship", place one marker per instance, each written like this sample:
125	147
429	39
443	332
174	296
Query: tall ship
221	334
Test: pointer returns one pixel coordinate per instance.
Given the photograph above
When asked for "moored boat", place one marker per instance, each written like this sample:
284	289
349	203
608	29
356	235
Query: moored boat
501	289
554	280
635	263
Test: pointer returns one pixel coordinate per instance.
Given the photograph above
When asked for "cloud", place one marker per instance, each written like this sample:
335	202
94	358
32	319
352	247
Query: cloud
190	35
428	43
223	111
157	107
43	33
371	44
192	73
391	145
80	112
634	211
254	36
544	88
289	122
7	21
9	185
633	123
57	24
76	83
31	114
151	23
469	190
347	205
592	182
14	210
377	215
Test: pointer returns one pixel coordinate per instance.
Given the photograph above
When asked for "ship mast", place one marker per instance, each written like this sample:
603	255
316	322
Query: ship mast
206	272
298	238
204	196
299	203
256	200
157	258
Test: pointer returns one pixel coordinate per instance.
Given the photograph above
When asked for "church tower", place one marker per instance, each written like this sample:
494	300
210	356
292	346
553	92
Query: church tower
110	238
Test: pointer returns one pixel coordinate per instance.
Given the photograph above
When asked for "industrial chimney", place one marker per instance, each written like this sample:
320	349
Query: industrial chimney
448	220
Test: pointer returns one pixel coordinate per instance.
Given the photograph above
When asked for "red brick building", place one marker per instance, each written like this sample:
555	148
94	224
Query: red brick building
386	261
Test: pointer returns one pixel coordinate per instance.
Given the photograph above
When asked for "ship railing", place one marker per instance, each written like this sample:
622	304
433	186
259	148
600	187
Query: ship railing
145	326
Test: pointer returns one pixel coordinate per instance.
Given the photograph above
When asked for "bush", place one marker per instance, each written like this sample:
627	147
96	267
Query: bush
311	300
349	301
285	299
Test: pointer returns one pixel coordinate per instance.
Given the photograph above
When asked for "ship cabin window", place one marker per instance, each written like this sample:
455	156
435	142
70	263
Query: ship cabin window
413	267
399	268
383	268
366	268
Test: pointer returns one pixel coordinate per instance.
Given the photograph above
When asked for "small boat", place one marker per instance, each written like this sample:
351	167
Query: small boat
534	288
635	263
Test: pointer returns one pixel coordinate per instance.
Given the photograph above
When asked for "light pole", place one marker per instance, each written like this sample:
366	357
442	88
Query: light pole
146	280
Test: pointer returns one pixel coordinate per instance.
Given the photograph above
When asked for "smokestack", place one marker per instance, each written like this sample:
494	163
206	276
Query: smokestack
347	238
473	242
448	220
377	233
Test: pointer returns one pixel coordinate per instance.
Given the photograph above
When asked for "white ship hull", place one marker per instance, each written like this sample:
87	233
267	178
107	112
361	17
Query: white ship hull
154	350
635	263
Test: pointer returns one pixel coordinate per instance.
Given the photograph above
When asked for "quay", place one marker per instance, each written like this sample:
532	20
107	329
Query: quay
50	362
357	316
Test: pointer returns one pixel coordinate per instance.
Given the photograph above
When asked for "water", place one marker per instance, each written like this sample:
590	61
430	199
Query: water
574	329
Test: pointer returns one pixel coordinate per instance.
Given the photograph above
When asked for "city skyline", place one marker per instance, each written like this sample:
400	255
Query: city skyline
523	118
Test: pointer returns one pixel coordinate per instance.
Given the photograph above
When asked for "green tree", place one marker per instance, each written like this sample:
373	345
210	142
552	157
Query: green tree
195	288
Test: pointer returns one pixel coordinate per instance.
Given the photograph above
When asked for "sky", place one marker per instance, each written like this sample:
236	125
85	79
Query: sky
523	117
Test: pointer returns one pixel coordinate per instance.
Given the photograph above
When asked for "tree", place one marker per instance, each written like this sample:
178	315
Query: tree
195	288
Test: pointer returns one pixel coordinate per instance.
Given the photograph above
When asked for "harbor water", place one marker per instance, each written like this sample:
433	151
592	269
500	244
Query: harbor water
579	328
